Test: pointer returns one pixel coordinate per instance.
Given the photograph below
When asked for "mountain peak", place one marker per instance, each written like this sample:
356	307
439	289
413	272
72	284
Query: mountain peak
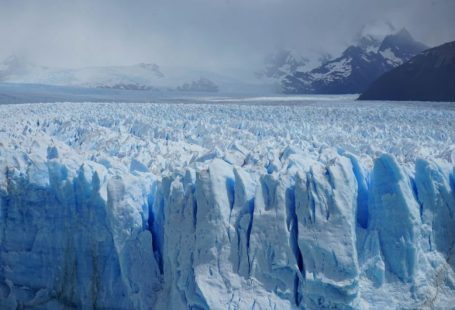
404	33
402	40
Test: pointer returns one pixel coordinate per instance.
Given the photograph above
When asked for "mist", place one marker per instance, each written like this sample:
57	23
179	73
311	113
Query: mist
225	36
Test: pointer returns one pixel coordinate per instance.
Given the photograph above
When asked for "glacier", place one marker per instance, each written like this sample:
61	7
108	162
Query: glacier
271	204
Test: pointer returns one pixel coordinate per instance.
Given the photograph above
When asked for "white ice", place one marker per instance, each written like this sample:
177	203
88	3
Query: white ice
262	204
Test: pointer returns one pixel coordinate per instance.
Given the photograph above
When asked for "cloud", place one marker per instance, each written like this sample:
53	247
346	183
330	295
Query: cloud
219	35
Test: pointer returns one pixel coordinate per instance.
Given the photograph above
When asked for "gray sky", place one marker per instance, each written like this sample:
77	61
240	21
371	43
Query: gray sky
217	35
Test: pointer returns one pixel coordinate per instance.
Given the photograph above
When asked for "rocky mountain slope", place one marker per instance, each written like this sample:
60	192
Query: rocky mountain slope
430	76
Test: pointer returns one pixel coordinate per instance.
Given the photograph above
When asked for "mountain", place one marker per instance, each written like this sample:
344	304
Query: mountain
429	76
282	63
357	67
140	76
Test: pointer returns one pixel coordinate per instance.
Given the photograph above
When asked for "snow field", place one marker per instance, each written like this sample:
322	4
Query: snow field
302	204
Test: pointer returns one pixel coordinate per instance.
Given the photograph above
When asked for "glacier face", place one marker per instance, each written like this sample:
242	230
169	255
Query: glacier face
297	204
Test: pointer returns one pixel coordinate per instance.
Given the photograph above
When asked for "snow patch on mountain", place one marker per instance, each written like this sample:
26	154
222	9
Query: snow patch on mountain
391	58
335	70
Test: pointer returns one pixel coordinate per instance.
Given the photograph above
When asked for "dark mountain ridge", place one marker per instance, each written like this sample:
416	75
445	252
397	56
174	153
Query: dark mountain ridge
429	76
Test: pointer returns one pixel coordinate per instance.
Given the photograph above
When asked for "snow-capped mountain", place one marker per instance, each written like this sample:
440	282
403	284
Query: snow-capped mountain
429	76
357	67
140	76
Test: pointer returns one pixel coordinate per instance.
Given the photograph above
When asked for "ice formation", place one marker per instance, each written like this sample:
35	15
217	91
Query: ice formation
333	204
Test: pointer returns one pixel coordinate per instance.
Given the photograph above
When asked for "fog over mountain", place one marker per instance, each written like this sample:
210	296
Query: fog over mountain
232	36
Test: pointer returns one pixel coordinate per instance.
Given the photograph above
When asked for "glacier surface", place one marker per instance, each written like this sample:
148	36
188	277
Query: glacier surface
299	203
